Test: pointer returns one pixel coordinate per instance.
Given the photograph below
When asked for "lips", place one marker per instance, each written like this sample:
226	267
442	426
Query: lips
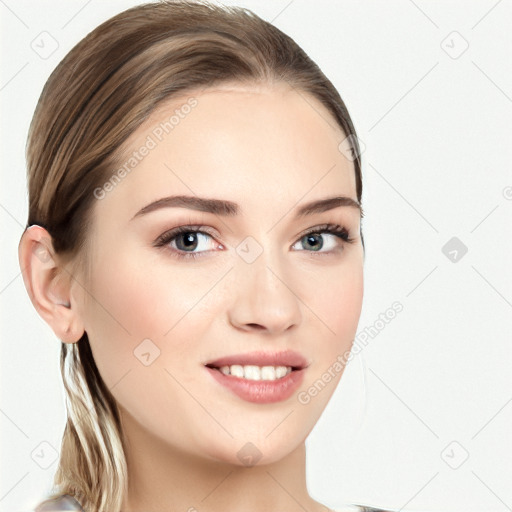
260	358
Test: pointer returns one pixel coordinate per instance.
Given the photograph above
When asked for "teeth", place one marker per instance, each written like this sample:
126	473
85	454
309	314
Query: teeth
252	372
236	370
268	373
281	371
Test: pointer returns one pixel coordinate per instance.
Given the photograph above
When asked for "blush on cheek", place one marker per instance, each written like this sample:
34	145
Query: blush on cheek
115	316
341	304
128	306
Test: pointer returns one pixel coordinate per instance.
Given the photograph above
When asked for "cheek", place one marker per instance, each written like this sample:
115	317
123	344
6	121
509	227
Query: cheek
347	304
133	301
125	308
338	303
142	327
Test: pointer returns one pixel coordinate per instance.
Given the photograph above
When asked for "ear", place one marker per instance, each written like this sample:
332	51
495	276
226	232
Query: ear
48	284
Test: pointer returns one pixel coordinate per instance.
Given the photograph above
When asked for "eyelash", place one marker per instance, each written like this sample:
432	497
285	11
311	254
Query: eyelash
169	236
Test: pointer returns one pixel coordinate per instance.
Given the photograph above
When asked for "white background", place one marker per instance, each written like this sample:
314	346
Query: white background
436	126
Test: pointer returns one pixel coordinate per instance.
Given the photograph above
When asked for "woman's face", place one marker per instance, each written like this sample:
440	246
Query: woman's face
250	281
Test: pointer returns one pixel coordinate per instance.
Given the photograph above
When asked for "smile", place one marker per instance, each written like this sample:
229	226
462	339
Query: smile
252	372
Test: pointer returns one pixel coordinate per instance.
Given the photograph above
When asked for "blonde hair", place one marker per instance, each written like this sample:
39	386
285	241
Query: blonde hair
98	95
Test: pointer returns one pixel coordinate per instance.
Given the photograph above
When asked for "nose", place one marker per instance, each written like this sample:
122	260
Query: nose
264	298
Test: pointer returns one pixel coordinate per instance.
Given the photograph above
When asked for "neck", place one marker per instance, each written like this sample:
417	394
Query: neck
163	478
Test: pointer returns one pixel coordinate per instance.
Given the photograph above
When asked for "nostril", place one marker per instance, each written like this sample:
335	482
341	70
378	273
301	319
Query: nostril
255	326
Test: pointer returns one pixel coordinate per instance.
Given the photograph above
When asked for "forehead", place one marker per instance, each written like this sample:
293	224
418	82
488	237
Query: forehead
238	142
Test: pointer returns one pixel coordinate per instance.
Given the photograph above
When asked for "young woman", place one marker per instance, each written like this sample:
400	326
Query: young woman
194	239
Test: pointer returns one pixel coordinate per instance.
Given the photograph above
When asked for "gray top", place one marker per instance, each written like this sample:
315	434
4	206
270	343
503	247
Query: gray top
60	504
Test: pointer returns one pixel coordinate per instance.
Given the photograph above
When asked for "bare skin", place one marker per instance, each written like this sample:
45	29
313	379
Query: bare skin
270	149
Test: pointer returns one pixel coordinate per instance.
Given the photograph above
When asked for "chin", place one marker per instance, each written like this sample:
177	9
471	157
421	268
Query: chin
252	453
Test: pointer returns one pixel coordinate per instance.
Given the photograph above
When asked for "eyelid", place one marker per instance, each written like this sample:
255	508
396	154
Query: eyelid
197	228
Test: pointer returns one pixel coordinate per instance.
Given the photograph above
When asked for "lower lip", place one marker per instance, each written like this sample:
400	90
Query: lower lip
260	391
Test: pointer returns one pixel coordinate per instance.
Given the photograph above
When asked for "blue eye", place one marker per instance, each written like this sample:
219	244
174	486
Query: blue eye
314	237
190	240
184	241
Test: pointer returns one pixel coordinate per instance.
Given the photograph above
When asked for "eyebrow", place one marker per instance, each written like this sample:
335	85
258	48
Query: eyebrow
231	209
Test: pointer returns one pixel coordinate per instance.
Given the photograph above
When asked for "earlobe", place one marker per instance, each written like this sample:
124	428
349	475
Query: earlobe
48	284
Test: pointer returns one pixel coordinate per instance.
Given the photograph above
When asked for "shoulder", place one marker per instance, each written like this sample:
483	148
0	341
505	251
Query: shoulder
61	503
368	508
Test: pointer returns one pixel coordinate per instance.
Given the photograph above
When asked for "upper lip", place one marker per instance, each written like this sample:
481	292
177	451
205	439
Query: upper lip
259	358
